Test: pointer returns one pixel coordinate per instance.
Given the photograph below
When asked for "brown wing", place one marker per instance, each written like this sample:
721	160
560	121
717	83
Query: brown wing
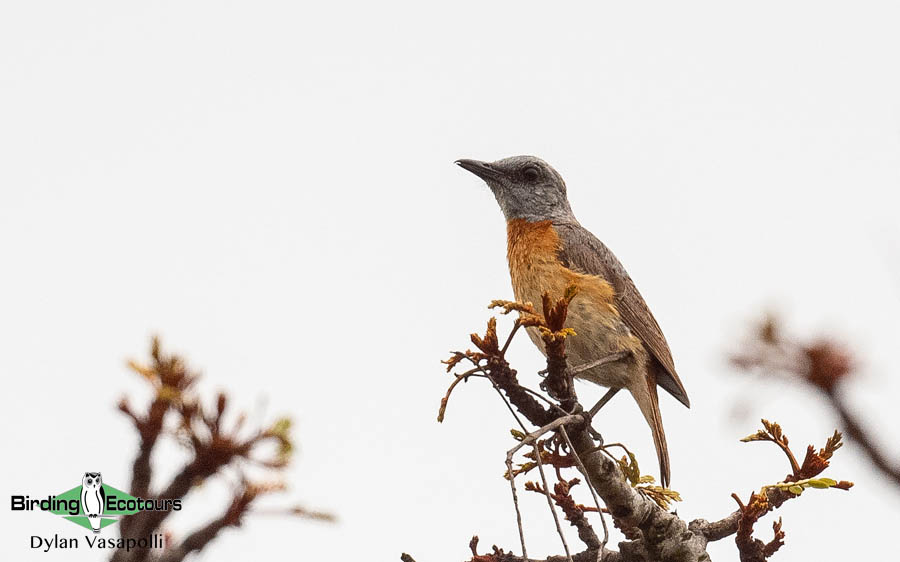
582	251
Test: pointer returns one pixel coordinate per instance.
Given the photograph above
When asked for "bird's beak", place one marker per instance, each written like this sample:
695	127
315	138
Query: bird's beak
481	169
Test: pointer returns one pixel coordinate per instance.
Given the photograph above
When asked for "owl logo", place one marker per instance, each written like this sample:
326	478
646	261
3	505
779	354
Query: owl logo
93	498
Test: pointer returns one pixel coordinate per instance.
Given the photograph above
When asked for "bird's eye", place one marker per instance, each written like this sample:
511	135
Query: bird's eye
531	174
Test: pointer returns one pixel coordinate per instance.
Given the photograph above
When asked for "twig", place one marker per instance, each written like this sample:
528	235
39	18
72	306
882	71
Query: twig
590	486
549	402
512	485
562	537
510	474
216	447
859	435
540	432
512	333
446	399
531	439
824	364
717	530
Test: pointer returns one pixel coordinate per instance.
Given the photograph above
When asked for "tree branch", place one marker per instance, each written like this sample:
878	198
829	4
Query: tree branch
653	533
175	409
854	429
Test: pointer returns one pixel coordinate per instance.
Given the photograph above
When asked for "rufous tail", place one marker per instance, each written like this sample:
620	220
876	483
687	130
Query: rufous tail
648	401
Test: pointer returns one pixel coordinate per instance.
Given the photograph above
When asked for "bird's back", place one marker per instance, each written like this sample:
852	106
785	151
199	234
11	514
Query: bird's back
581	251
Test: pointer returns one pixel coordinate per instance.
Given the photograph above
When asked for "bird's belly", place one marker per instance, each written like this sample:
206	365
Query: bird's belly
592	341
599	331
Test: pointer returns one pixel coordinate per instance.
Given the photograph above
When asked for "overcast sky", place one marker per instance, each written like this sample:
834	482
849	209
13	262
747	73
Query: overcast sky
270	187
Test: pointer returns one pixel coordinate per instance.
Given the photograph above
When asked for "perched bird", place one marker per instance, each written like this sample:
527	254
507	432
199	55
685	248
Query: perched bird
93	498
548	250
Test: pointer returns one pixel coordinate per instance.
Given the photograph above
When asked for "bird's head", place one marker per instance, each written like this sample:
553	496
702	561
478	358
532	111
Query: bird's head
526	187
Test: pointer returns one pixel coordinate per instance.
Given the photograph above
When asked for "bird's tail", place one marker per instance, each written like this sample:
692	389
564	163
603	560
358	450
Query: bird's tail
648	401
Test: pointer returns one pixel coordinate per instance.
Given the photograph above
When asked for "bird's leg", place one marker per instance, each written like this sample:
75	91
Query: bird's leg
589	415
572	372
606	360
602	402
612	358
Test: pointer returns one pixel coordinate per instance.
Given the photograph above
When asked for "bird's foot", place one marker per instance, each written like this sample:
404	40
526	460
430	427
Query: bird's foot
588	418
595	434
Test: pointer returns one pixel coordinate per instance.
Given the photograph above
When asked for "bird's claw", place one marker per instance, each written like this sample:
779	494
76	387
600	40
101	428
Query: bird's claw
588	419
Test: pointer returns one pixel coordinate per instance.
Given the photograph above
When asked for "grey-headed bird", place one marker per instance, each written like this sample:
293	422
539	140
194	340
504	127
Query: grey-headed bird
548	250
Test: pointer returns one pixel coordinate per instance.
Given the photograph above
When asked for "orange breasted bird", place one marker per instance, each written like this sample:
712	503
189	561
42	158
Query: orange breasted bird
548	250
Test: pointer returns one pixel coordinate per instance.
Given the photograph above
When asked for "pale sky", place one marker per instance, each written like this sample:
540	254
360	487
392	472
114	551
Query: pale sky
270	187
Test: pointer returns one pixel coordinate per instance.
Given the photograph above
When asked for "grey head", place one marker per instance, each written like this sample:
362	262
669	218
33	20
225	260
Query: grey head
526	187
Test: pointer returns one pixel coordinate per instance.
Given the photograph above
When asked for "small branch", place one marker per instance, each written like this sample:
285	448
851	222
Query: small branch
515	496
562	536
575	514
861	437
216	443
823	364
500	555
509	339
540	432
530	439
197	540
716	530
446	399
590	486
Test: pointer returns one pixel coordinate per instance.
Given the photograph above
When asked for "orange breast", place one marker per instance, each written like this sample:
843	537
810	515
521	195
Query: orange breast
534	266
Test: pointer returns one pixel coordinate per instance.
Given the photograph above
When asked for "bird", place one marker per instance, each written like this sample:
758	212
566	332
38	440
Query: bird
93	498
548	250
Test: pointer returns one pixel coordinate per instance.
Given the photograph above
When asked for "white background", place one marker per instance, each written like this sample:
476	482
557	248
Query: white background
270	186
